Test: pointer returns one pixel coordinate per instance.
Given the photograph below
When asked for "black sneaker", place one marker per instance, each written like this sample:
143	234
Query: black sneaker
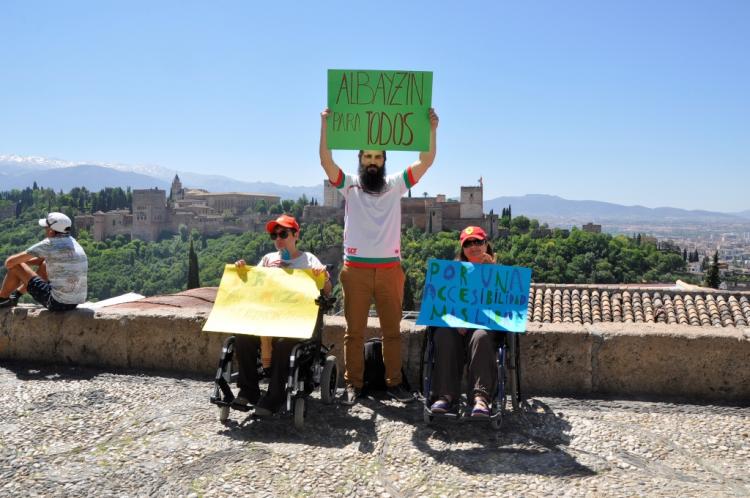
7	302
351	394
266	407
400	394
245	398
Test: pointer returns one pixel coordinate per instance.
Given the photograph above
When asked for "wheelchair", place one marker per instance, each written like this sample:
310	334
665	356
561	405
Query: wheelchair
311	365
508	382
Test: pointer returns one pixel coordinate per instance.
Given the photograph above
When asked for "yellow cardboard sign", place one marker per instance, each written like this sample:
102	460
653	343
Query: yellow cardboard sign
272	302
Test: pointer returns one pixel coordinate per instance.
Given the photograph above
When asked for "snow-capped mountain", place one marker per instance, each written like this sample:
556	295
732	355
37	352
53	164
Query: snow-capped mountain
18	163
22	171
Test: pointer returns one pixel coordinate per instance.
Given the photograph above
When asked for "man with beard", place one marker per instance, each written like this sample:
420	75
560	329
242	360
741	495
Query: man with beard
372	255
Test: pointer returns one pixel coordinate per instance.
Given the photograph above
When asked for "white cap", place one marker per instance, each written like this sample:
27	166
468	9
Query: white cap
57	222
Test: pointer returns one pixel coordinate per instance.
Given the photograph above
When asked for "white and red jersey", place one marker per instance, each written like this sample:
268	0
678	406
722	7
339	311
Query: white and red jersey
372	222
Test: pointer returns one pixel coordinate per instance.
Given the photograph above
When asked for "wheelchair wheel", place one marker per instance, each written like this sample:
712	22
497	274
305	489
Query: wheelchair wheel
425	364
299	413
514	377
500	403
329	381
223	414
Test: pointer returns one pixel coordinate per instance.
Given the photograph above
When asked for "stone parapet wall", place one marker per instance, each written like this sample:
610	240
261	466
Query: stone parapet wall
602	359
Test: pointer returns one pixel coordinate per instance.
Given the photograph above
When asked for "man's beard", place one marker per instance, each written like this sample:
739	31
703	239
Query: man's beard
372	178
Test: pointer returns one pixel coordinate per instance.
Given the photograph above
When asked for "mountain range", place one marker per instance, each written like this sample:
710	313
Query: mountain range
21	172
552	208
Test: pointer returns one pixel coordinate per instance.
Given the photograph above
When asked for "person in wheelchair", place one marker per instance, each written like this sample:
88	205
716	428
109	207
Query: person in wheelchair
285	233
454	346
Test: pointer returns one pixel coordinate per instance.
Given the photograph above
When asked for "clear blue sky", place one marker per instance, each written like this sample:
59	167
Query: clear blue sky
636	102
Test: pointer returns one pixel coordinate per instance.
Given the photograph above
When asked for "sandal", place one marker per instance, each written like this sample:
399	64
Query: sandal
480	408
442	405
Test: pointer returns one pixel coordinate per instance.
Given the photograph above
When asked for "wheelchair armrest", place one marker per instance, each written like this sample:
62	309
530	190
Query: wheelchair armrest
325	302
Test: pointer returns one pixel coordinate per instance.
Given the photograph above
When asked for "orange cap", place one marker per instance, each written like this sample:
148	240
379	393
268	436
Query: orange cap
285	221
472	233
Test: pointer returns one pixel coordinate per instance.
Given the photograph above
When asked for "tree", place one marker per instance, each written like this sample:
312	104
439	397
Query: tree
521	224
193	279
276	209
712	277
408	304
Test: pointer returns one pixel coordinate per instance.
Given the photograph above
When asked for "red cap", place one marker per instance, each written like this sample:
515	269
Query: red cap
285	221
472	233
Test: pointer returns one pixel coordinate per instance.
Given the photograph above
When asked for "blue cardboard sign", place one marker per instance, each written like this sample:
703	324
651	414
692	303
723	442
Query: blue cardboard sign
475	296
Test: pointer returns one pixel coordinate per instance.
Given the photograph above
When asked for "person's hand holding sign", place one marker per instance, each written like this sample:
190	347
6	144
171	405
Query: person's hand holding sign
318	270
322	270
434	120
487	258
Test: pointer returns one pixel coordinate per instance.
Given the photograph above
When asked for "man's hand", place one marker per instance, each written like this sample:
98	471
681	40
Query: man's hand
434	120
240	263
324	117
35	262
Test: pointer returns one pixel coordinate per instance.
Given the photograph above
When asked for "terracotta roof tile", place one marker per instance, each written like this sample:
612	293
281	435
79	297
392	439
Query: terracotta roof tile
588	304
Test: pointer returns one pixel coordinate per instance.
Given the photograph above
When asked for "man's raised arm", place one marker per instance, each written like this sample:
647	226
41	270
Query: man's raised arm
326	157
426	159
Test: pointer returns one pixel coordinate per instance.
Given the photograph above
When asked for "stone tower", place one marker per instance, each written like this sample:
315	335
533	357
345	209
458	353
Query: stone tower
176	193
331	196
149	213
434	219
472	202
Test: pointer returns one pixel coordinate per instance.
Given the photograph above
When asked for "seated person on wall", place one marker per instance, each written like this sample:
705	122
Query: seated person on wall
284	232
456	346
60	280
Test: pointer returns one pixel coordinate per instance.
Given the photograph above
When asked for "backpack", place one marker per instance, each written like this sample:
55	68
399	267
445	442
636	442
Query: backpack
374	374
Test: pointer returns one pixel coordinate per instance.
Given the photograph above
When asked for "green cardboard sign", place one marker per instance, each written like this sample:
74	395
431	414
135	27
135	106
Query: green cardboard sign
374	110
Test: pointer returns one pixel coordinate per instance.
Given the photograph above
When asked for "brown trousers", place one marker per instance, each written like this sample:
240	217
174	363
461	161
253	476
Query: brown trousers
477	349
361	286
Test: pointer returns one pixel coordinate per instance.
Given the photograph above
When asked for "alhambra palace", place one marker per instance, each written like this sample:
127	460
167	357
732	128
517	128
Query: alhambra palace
154	213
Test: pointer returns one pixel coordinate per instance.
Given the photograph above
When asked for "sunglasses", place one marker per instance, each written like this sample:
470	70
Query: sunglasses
282	234
474	242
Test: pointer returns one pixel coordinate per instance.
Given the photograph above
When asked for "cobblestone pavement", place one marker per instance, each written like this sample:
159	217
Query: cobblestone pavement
68	431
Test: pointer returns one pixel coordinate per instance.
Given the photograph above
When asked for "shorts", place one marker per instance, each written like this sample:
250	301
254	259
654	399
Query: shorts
41	291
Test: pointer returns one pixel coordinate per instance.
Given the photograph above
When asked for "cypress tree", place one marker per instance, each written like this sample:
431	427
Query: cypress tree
712	277
408	304
193	279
